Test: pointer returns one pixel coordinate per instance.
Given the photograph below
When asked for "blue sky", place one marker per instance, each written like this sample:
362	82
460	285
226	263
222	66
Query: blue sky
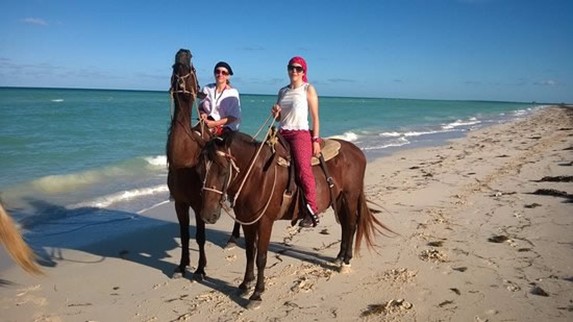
508	50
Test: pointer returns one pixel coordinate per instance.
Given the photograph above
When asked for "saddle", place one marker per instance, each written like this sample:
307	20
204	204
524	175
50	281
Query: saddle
281	149
329	148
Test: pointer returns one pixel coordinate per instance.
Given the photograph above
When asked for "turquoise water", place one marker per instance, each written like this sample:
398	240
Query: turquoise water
68	150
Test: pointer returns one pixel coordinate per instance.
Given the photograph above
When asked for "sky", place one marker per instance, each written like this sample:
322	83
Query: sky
499	50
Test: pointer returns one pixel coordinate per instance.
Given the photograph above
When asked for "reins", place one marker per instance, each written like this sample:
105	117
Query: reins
222	192
252	163
232	166
225	207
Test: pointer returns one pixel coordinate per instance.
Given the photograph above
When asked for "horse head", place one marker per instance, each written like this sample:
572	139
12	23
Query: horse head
184	83
184	77
216	169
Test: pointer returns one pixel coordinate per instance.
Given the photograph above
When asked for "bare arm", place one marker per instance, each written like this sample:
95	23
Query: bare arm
312	99
224	121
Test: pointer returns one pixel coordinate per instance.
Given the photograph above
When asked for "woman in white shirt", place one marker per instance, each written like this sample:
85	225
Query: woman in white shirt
221	107
295	103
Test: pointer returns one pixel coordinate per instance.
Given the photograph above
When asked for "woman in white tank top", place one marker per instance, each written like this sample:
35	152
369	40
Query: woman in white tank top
295	103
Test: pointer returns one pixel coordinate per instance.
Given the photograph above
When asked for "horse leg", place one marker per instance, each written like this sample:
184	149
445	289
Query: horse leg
182	210
233	240
265	229
250	250
199	273
343	218
348	221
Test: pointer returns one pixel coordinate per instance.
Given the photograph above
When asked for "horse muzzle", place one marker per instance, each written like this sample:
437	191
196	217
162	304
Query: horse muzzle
211	215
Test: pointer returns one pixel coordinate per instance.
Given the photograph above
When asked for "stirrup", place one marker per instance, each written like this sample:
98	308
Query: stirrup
310	220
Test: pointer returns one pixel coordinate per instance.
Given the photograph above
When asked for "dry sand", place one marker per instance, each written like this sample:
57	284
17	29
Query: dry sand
485	226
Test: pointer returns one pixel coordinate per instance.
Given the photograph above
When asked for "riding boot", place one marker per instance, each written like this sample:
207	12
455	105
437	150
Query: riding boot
310	219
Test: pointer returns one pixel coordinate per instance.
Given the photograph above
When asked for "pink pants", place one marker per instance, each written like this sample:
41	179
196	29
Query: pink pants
301	150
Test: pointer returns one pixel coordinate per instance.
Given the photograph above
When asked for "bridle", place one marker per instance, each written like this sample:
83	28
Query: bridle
230	176
186	85
181	82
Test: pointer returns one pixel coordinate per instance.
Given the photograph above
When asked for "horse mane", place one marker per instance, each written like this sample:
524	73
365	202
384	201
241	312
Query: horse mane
224	142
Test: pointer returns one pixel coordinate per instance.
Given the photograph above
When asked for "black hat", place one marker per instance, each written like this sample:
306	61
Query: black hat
224	65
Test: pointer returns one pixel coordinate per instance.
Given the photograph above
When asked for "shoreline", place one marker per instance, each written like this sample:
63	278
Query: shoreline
476	243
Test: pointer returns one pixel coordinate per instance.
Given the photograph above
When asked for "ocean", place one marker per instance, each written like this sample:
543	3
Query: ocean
74	158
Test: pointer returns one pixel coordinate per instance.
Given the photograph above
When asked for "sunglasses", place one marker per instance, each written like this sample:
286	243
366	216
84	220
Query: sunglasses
292	68
221	71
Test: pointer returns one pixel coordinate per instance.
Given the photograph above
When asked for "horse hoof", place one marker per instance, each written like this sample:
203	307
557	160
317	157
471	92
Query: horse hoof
243	290
232	243
178	273
338	262
199	277
345	268
254	304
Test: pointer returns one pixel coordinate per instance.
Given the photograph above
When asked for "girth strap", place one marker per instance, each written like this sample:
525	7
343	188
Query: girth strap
330	182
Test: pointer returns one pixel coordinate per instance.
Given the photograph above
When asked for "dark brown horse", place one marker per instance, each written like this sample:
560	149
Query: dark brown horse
184	145
248	174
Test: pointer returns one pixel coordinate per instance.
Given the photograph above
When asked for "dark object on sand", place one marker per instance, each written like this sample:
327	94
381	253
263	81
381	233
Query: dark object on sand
556	179
498	239
554	193
536	290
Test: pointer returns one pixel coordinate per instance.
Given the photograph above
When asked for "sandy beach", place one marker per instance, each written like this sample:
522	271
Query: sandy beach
484	234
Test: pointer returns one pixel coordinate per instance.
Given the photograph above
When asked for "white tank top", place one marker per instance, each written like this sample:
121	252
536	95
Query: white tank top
294	108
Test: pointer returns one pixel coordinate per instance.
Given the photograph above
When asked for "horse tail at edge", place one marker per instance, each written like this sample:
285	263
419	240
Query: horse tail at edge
368	226
16	246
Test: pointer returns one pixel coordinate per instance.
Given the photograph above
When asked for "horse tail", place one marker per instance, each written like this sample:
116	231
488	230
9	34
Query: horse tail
368	225
16	246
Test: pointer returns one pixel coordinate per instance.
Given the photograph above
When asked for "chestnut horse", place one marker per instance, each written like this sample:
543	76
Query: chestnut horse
247	172
184	145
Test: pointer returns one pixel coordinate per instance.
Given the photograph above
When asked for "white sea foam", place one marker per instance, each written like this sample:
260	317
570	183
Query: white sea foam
390	134
394	143
68	182
411	133
458	123
521	112
158	160
57	100
154	206
108	200
347	136
414	133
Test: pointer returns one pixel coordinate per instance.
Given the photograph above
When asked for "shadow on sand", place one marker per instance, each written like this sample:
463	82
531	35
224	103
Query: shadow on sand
51	229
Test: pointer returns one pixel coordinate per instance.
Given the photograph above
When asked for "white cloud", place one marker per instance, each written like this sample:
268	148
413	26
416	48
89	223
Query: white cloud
548	82
35	21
